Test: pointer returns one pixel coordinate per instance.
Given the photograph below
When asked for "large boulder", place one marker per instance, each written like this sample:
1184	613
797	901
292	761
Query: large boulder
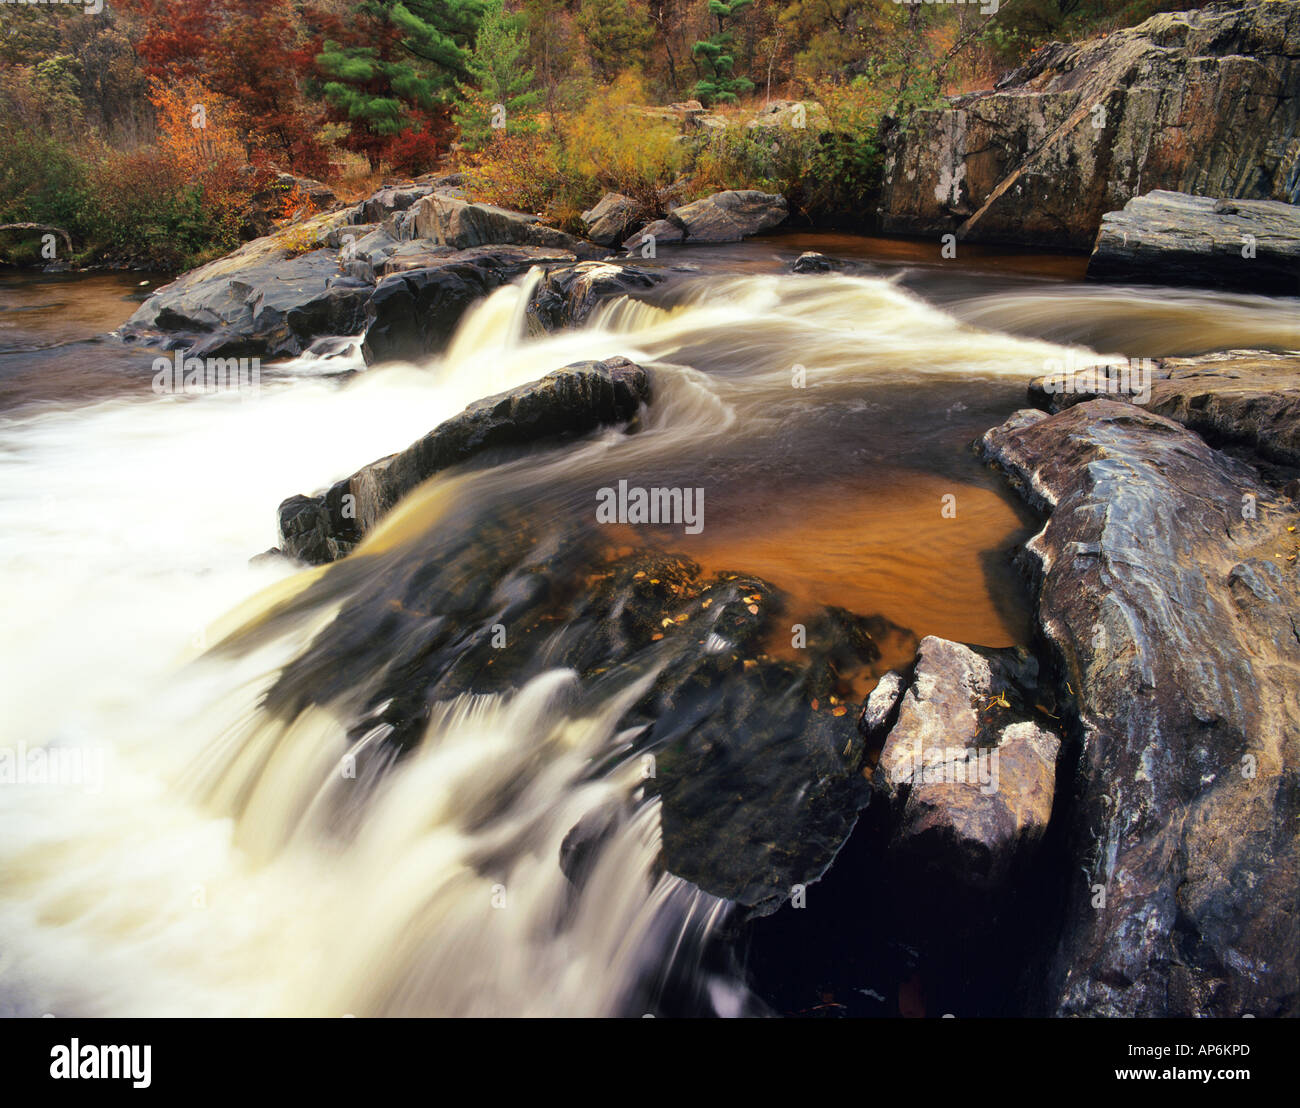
452	221
723	217
1171	238
570	401
969	761
1198	102
414	312
1167	597
613	219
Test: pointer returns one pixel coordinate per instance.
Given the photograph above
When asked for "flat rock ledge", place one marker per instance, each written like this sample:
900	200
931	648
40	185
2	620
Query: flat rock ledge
1245	398
1168	602
571	401
1172	238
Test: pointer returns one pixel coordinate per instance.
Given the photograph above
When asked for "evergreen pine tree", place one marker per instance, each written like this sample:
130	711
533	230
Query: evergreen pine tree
391	59
500	94
715	56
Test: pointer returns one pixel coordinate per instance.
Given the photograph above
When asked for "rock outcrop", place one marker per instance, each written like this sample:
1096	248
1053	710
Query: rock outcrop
723	217
570	401
567	295
1201	102
1171	238
1167	594
412	313
402	266
451	221
1246	399
264	299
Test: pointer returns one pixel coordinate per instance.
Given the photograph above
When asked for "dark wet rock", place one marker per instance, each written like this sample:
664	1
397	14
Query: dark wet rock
413	313
755	760
723	217
570	401
969	762
1197	102
1172	238
1235	398
450	221
810	261
614	218
374	272
1167	596
262	299
566	296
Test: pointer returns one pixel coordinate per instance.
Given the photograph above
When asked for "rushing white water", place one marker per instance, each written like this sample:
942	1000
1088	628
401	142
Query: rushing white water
209	859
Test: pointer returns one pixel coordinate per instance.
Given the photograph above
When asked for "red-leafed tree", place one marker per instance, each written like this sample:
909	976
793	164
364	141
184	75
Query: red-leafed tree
253	53
257	61
173	37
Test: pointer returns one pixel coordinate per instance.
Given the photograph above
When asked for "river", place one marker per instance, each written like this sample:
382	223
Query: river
218	853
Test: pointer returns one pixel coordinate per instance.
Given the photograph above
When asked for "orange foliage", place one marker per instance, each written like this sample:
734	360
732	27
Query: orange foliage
197	139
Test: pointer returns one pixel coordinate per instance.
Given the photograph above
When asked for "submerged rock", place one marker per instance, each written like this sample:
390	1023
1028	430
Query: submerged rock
755	760
1172	238
1199	102
570	401
1167	592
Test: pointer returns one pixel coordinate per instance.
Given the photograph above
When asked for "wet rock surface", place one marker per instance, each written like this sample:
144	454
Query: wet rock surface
566	296
570	401
969	761
1242	400
1167	597
755	757
1175	239
414	312
1197	102
402	265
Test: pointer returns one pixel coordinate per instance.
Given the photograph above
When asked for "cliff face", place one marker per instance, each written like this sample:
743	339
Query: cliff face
1203	102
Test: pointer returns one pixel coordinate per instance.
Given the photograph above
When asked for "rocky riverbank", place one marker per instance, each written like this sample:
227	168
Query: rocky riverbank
1199	102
